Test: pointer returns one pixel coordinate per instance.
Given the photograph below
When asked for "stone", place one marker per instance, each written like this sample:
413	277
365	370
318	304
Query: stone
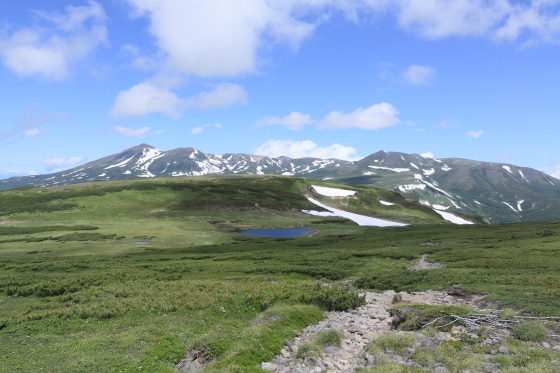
546	345
269	367
458	329
504	350
314	362
424	342
489	367
441	370
556	348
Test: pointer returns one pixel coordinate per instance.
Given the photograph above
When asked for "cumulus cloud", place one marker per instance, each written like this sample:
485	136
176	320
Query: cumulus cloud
49	52
419	75
155	97
294	121
222	95
224	42
307	148
474	134
146	98
52	164
229	42
427	155
130	132
552	170
371	118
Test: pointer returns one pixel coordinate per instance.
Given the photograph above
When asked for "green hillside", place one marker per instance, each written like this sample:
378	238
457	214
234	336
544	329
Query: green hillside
79	294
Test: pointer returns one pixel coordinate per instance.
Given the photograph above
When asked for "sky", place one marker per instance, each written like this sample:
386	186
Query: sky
475	79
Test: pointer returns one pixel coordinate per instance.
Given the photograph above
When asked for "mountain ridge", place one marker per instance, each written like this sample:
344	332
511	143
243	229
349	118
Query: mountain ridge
502	192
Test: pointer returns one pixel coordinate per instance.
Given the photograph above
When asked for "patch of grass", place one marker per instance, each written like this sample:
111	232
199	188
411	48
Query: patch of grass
329	337
396	342
508	314
532	331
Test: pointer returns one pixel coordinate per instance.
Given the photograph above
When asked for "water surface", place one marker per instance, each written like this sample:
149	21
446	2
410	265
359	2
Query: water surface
279	232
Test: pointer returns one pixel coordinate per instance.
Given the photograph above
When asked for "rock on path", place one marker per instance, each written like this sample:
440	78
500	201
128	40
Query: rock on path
359	327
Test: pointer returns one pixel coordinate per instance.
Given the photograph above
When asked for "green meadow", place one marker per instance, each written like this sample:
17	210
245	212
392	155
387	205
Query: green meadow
125	276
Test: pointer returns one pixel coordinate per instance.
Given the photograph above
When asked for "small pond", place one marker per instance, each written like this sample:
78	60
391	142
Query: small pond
279	232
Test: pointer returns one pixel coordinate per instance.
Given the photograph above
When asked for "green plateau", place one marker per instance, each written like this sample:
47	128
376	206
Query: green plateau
125	275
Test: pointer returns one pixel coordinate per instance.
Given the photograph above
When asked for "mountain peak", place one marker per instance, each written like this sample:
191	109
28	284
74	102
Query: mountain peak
141	146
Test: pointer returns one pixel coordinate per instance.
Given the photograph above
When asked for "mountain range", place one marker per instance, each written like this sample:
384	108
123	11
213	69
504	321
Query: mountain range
501	192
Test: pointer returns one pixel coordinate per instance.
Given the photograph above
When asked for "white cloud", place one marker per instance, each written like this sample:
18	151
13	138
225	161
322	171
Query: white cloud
230	42
307	148
34	132
52	164
427	155
475	134
155	96
146	98
419	75
223	95
51	52
130	132
552	170
197	130
224	42
32	173
371	118
294	121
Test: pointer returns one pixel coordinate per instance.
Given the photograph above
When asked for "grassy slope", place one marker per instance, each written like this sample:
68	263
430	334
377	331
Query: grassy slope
117	306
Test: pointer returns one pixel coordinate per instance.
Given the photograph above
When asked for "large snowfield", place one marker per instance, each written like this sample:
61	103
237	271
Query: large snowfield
333	192
358	219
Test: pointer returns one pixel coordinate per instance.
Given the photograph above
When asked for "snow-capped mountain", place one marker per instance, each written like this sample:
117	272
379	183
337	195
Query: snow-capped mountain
501	192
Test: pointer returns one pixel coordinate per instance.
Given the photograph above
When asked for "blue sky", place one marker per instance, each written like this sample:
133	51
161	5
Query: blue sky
326	78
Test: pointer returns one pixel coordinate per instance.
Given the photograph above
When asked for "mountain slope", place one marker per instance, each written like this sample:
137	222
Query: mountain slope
501	192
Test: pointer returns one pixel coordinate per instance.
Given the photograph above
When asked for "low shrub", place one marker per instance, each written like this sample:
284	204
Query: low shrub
329	337
532	331
396	342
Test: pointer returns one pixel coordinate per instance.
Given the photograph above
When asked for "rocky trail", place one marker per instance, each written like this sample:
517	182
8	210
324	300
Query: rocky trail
365	324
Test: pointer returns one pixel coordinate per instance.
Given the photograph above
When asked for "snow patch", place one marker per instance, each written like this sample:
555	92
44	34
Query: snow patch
409	187
119	164
522	176
413	165
452	218
386	203
391	169
359	219
446	168
519	204
369	173
507	168
333	192
127	172
103	174
440	207
419	177
510	206
429	172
